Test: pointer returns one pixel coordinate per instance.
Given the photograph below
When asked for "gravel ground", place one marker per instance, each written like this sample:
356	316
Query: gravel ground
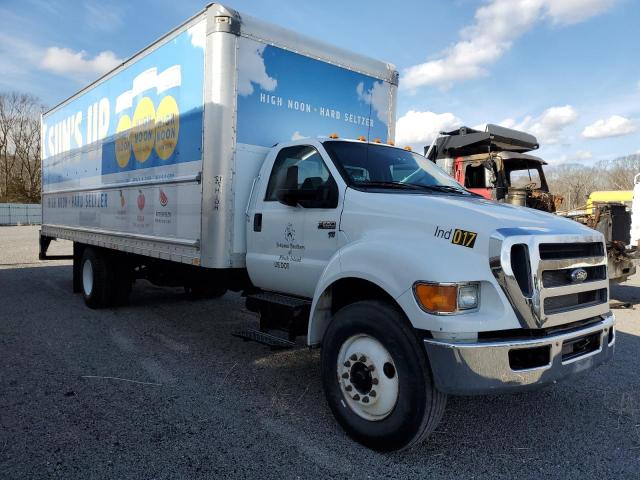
160	389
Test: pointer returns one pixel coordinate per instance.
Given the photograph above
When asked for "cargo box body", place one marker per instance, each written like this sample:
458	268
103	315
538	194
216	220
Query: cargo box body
158	157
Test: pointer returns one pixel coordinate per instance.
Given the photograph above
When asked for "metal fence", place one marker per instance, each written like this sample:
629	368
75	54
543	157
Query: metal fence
20	214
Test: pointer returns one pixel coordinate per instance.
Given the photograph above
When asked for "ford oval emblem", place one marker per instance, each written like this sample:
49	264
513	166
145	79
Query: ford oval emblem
578	275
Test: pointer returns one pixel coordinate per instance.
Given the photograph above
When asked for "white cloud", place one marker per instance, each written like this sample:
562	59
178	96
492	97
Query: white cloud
614	126
578	156
497	25
252	69
548	127
420	128
582	155
67	62
19	56
16	58
377	97
568	12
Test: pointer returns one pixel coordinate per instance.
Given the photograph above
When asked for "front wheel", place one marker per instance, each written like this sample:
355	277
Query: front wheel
377	379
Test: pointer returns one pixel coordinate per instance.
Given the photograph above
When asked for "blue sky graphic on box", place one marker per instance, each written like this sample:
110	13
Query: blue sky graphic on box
285	96
148	115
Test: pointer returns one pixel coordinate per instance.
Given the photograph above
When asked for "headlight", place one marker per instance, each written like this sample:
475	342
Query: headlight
468	296
447	298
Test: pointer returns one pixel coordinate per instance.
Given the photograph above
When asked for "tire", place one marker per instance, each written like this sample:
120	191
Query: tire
407	405
96	279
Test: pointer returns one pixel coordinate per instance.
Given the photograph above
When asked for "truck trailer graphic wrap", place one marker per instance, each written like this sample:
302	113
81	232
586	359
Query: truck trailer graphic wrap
126	156
149	116
283	95
111	154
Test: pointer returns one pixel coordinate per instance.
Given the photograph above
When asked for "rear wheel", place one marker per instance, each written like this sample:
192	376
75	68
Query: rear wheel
95	279
377	378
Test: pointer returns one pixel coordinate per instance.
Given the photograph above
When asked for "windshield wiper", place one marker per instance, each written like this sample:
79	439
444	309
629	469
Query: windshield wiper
413	186
383	184
444	188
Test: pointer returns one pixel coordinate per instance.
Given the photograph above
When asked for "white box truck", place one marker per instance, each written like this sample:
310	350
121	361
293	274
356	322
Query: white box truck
208	160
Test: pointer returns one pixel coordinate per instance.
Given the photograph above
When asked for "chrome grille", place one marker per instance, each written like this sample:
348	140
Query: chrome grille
535	270
554	251
558	278
565	303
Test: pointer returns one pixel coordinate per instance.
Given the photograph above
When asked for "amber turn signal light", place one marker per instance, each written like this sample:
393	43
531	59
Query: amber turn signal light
437	298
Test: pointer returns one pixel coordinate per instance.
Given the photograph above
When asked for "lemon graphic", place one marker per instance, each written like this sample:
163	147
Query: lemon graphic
143	133
123	143
167	127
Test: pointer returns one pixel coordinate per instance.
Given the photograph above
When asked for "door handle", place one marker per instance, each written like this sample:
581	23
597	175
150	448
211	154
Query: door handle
257	222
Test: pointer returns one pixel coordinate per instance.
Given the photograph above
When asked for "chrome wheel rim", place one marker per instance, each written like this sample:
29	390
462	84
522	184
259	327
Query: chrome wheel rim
87	277
367	377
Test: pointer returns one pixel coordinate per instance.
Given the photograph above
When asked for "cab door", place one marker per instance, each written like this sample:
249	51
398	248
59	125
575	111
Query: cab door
289	246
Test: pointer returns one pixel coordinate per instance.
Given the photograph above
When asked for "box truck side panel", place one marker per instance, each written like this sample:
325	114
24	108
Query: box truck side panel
283	96
124	157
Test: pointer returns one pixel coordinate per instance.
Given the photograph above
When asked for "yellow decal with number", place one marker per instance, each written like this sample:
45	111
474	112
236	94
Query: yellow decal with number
464	238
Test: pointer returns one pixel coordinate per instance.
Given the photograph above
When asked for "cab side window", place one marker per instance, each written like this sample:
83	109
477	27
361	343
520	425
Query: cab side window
312	172
475	177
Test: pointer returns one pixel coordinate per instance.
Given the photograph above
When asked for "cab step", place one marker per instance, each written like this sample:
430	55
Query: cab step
273	341
280	312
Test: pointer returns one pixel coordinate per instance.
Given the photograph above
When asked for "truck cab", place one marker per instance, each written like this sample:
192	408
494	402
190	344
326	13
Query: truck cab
368	242
493	164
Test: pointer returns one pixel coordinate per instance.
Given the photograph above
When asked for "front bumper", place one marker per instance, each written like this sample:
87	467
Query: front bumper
489	367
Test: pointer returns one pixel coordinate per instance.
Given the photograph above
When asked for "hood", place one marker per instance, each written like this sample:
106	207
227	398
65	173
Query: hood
450	210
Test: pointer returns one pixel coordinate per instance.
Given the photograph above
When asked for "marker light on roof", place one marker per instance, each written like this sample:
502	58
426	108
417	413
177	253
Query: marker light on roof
334	135
362	138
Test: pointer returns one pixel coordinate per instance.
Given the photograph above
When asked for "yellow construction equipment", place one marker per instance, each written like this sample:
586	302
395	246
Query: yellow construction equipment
621	197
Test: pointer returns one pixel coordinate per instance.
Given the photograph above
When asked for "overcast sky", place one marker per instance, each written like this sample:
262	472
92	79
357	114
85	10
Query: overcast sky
567	71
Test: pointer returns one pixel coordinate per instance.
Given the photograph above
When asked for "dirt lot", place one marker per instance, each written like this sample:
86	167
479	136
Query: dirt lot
160	389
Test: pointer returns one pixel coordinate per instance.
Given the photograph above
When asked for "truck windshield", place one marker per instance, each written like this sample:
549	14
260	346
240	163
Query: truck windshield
529	178
380	166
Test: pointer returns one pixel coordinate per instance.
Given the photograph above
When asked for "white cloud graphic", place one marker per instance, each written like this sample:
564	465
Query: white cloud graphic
252	69
298	136
198	34
148	80
377	97
614	126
